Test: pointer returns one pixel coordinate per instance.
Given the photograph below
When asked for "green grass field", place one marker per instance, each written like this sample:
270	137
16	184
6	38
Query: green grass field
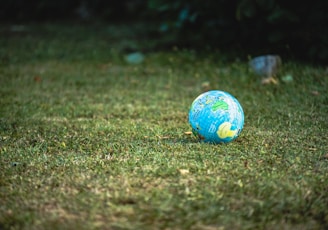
88	141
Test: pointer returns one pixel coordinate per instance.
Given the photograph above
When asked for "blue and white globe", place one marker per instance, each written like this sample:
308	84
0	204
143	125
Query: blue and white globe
216	117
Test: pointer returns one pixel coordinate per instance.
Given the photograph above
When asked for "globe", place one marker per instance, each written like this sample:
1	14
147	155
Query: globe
216	117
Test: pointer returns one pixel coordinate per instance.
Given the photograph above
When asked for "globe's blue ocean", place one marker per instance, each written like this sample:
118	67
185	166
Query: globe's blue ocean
216	116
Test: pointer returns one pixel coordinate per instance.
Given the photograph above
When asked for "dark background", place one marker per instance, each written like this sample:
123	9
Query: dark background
287	27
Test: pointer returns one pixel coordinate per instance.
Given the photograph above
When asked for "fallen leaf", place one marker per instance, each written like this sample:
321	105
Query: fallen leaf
246	164
269	80
183	171
37	79
312	149
315	93
240	183
206	86
188	133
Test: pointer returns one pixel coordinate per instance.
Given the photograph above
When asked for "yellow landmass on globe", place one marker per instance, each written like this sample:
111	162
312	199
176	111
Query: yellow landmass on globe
225	131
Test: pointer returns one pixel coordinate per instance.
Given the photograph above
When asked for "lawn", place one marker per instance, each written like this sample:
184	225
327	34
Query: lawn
89	141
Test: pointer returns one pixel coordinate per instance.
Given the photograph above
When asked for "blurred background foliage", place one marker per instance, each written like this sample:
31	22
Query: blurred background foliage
295	28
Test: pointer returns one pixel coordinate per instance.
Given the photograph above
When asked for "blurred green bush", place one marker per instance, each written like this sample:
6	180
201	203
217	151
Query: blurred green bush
294	28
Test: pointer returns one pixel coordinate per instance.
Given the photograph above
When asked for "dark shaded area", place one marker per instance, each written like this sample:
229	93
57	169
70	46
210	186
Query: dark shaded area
59	10
291	28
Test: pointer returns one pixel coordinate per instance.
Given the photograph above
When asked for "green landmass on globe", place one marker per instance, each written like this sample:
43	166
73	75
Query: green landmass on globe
220	105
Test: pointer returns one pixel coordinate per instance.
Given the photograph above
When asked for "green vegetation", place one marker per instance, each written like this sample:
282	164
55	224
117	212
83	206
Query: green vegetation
290	28
88	141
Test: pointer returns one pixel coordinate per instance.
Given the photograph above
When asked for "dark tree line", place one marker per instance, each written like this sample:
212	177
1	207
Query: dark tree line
299	27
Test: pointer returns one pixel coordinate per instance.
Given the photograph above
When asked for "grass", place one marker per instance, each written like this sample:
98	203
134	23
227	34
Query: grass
88	141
